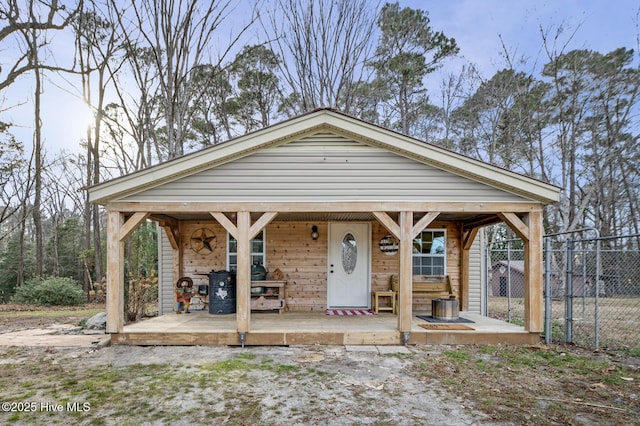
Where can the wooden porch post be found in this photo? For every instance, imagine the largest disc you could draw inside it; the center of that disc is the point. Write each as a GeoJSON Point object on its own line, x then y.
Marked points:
{"type": "Point", "coordinates": [405, 232]}
{"type": "Point", "coordinates": [467, 236]}
{"type": "Point", "coordinates": [117, 231]}
{"type": "Point", "coordinates": [405, 275]}
{"type": "Point", "coordinates": [115, 273]}
{"type": "Point", "coordinates": [533, 272]}
{"type": "Point", "coordinates": [243, 233]}
{"type": "Point", "coordinates": [243, 273]}
{"type": "Point", "coordinates": [531, 233]}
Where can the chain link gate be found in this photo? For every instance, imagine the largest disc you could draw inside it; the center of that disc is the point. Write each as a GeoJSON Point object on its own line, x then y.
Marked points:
{"type": "Point", "coordinates": [592, 288]}
{"type": "Point", "coordinates": [505, 281]}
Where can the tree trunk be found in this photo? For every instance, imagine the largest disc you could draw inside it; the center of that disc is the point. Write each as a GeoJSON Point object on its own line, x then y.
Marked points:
{"type": "Point", "coordinates": [87, 215]}
{"type": "Point", "coordinates": [21, 244]}
{"type": "Point", "coordinates": [37, 153]}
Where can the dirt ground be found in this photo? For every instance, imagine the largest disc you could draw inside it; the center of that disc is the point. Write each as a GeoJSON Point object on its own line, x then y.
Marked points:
{"type": "Point", "coordinates": [24, 317]}
{"type": "Point", "coordinates": [310, 385]}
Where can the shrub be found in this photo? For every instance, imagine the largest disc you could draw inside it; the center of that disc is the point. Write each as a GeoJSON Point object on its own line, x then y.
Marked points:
{"type": "Point", "coordinates": [54, 291]}
{"type": "Point", "coordinates": [26, 293]}
{"type": "Point", "coordinates": [143, 291]}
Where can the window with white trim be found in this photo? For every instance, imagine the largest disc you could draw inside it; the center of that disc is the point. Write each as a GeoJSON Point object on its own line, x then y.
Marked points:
{"type": "Point", "coordinates": [429, 252]}
{"type": "Point", "coordinates": [257, 251]}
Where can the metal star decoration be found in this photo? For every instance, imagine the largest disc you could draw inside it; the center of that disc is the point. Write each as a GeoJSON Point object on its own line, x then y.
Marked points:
{"type": "Point", "coordinates": [203, 240]}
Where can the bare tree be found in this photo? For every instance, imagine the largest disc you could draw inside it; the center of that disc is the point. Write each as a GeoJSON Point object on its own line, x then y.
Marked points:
{"type": "Point", "coordinates": [178, 34]}
{"type": "Point", "coordinates": [63, 205]}
{"type": "Point", "coordinates": [12, 162]}
{"type": "Point", "coordinates": [27, 24]}
{"type": "Point", "coordinates": [96, 47]}
{"type": "Point", "coordinates": [32, 41]}
{"type": "Point", "coordinates": [20, 181]}
{"type": "Point", "coordinates": [18, 17]}
{"type": "Point", "coordinates": [454, 90]}
{"type": "Point", "coordinates": [324, 45]}
{"type": "Point", "coordinates": [137, 116]}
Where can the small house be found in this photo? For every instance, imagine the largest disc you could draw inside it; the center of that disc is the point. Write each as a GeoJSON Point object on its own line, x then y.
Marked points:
{"type": "Point", "coordinates": [337, 207]}
{"type": "Point", "coordinates": [507, 278]}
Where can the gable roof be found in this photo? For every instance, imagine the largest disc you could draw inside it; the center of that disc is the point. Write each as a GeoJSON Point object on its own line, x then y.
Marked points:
{"type": "Point", "coordinates": [319, 121]}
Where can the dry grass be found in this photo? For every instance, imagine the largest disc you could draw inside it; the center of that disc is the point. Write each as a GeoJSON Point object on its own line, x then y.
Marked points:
{"type": "Point", "coordinates": [20, 317]}
{"type": "Point", "coordinates": [536, 385]}
{"type": "Point", "coordinates": [546, 385]}
{"type": "Point", "coordinates": [618, 320]}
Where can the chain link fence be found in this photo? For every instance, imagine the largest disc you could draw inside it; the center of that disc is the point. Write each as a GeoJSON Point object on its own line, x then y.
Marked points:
{"type": "Point", "coordinates": [592, 288]}
{"type": "Point", "coordinates": [505, 281]}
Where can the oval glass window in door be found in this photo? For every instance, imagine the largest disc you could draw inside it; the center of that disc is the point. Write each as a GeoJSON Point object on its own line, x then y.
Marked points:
{"type": "Point", "coordinates": [349, 253]}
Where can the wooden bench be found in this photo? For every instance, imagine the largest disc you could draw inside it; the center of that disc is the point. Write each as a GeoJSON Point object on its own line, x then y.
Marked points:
{"type": "Point", "coordinates": [428, 286]}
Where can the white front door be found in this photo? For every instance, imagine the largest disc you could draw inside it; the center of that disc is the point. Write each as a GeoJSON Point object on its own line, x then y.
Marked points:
{"type": "Point", "coordinates": [348, 283]}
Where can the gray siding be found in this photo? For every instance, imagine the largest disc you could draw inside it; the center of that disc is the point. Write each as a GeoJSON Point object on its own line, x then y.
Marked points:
{"type": "Point", "coordinates": [165, 274]}
{"type": "Point", "coordinates": [475, 276]}
{"type": "Point", "coordinates": [484, 287]}
{"type": "Point", "coordinates": [324, 167]}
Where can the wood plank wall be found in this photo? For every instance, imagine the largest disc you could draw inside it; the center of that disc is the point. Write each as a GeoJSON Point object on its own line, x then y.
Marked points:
{"type": "Point", "coordinates": [303, 261]}
{"type": "Point", "coordinates": [203, 263]}
{"type": "Point", "coordinates": [383, 265]}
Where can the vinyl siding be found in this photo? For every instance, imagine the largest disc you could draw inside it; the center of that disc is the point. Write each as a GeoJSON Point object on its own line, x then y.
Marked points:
{"type": "Point", "coordinates": [165, 274]}
{"type": "Point", "coordinates": [324, 167]}
{"type": "Point", "coordinates": [475, 276]}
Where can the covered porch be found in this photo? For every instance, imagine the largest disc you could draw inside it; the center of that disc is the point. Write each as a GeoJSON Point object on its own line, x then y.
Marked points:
{"type": "Point", "coordinates": [404, 221]}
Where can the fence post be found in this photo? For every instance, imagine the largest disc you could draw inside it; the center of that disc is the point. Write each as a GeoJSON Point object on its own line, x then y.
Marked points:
{"type": "Point", "coordinates": [509, 281]}
{"type": "Point", "coordinates": [597, 295]}
{"type": "Point", "coordinates": [569, 293]}
{"type": "Point", "coordinates": [547, 291]}
{"type": "Point", "coordinates": [584, 280]}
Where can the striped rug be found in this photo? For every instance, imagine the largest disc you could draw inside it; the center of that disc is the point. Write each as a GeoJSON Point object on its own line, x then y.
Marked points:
{"type": "Point", "coordinates": [349, 312]}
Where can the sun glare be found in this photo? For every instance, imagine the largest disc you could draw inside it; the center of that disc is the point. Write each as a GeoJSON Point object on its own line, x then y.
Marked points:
{"type": "Point", "coordinates": [85, 117]}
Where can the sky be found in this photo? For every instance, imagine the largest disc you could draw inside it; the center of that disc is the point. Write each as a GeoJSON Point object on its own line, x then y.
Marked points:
{"type": "Point", "coordinates": [480, 27]}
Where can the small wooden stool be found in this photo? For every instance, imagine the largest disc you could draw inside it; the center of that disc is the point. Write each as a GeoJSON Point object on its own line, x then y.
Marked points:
{"type": "Point", "coordinates": [376, 295]}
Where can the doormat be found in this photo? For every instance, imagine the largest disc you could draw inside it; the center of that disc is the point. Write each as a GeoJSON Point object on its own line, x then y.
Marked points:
{"type": "Point", "coordinates": [431, 319]}
{"type": "Point", "coordinates": [448, 326]}
{"type": "Point", "coordinates": [349, 312]}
